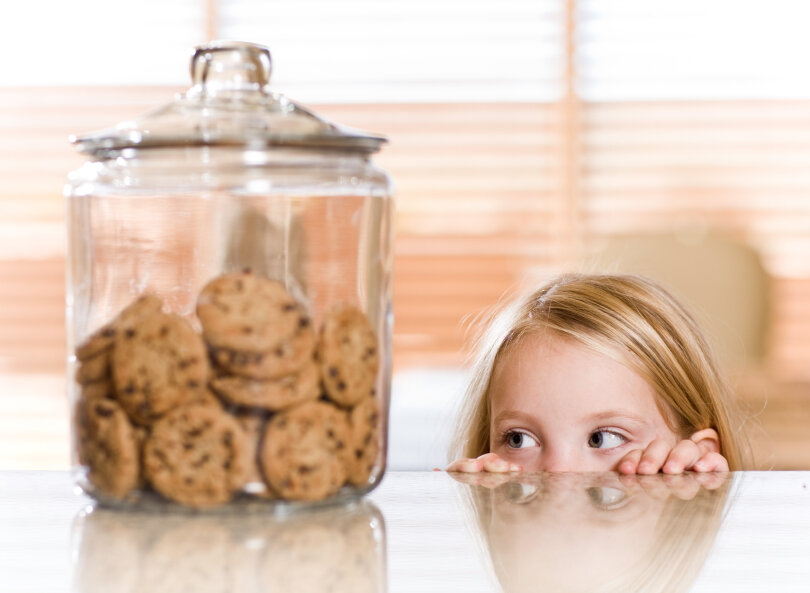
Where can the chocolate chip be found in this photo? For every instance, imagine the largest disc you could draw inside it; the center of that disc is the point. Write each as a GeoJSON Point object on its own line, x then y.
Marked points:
{"type": "Point", "coordinates": [129, 333]}
{"type": "Point", "coordinates": [341, 386]}
{"type": "Point", "coordinates": [333, 372]}
{"type": "Point", "coordinates": [164, 331]}
{"type": "Point", "coordinates": [247, 330]}
{"type": "Point", "coordinates": [108, 332]}
{"type": "Point", "coordinates": [289, 307]}
{"type": "Point", "coordinates": [104, 412]}
{"type": "Point", "coordinates": [303, 322]}
{"type": "Point", "coordinates": [161, 457]}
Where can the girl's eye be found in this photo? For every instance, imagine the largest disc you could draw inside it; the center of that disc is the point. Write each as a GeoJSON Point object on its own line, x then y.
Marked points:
{"type": "Point", "coordinates": [606, 498]}
{"type": "Point", "coordinates": [519, 440]}
{"type": "Point", "coordinates": [605, 439]}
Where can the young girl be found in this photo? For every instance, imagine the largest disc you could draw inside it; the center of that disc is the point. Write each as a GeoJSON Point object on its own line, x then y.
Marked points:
{"type": "Point", "coordinates": [597, 373]}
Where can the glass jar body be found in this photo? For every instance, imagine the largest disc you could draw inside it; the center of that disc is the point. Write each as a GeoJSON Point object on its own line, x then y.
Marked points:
{"type": "Point", "coordinates": [166, 222]}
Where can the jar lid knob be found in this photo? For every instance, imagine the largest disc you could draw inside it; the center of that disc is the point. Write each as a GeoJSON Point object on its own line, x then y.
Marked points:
{"type": "Point", "coordinates": [230, 65]}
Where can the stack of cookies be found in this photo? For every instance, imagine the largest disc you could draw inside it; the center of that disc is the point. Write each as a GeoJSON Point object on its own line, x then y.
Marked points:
{"type": "Point", "coordinates": [259, 402]}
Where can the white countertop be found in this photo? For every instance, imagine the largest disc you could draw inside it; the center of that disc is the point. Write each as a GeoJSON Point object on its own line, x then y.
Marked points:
{"type": "Point", "coordinates": [425, 531]}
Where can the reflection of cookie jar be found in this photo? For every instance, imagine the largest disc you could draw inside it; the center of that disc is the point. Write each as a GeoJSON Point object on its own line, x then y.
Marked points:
{"type": "Point", "coordinates": [229, 287]}
{"type": "Point", "coordinates": [343, 546]}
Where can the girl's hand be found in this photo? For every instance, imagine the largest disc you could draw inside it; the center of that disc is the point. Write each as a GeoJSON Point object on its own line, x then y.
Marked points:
{"type": "Point", "coordinates": [699, 453]}
{"type": "Point", "coordinates": [488, 462]}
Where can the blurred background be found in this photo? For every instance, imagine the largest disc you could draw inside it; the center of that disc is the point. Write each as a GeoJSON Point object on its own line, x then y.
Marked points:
{"type": "Point", "coordinates": [527, 137]}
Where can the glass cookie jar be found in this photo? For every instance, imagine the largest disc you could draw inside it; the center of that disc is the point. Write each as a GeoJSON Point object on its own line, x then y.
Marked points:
{"type": "Point", "coordinates": [229, 300]}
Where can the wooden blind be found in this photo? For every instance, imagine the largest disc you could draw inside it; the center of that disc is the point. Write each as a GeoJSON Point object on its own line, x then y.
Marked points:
{"type": "Point", "coordinates": [693, 115]}
{"type": "Point", "coordinates": [522, 132]}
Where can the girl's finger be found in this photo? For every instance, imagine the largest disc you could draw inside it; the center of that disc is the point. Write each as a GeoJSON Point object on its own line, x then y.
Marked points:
{"type": "Point", "coordinates": [653, 457]}
{"type": "Point", "coordinates": [629, 463]}
{"type": "Point", "coordinates": [493, 463]}
{"type": "Point", "coordinates": [711, 462]}
{"type": "Point", "coordinates": [681, 458]}
{"type": "Point", "coordinates": [466, 466]}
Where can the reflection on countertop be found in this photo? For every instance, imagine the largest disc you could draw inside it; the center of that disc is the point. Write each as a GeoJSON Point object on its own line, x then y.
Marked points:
{"type": "Point", "coordinates": [596, 532]}
{"type": "Point", "coordinates": [339, 549]}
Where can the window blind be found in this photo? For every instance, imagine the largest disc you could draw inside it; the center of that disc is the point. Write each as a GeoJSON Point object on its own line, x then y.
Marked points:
{"type": "Point", "coordinates": [364, 51]}
{"type": "Point", "coordinates": [694, 114]}
{"type": "Point", "coordinates": [516, 129]}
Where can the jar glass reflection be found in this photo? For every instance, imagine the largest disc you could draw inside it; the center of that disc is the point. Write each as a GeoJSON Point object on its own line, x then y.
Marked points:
{"type": "Point", "coordinates": [344, 547]}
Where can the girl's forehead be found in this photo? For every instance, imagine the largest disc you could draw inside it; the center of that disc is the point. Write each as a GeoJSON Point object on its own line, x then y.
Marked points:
{"type": "Point", "coordinates": [548, 369]}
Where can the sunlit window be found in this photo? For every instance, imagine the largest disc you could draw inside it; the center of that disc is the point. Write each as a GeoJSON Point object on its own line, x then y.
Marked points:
{"type": "Point", "coordinates": [523, 135]}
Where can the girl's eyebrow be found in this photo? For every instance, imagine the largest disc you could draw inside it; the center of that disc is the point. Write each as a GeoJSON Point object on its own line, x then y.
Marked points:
{"type": "Point", "coordinates": [513, 415]}
{"type": "Point", "coordinates": [616, 415]}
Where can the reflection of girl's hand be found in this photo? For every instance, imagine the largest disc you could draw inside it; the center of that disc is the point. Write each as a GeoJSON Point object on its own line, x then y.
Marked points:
{"type": "Point", "coordinates": [698, 453]}
{"type": "Point", "coordinates": [483, 479]}
{"type": "Point", "coordinates": [683, 486]}
{"type": "Point", "coordinates": [488, 462]}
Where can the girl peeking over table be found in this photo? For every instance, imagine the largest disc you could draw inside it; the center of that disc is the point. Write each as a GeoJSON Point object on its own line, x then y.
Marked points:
{"type": "Point", "coordinates": [597, 373]}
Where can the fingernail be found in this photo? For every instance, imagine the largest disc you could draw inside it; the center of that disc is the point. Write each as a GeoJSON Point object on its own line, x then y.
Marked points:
{"type": "Point", "coordinates": [699, 466]}
{"type": "Point", "coordinates": [515, 468]}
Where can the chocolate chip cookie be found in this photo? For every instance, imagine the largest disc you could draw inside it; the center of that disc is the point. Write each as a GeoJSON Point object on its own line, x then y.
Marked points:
{"type": "Point", "coordinates": [103, 339]}
{"type": "Point", "coordinates": [348, 355]}
{"type": "Point", "coordinates": [270, 394]}
{"type": "Point", "coordinates": [158, 365]}
{"type": "Point", "coordinates": [364, 421]}
{"type": "Point", "coordinates": [94, 369]}
{"type": "Point", "coordinates": [305, 451]}
{"type": "Point", "coordinates": [285, 358]}
{"type": "Point", "coordinates": [247, 313]}
{"type": "Point", "coordinates": [107, 446]}
{"type": "Point", "coordinates": [197, 455]}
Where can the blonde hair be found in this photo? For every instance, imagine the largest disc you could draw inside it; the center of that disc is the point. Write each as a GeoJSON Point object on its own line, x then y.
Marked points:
{"type": "Point", "coordinates": [632, 320]}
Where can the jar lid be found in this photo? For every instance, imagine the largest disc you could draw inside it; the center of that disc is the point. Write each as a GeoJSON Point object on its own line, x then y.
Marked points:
{"type": "Point", "coordinates": [229, 104]}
